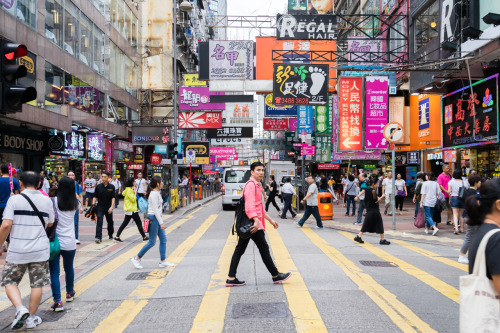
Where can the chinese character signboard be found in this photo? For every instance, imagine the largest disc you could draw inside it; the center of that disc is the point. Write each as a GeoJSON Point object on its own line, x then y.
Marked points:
{"type": "Point", "coordinates": [95, 147]}
{"type": "Point", "coordinates": [227, 157]}
{"type": "Point", "coordinates": [275, 124]}
{"type": "Point", "coordinates": [305, 119]}
{"type": "Point", "coordinates": [350, 114]}
{"type": "Point", "coordinates": [231, 60]}
{"type": "Point", "coordinates": [324, 119]}
{"type": "Point", "coordinates": [192, 80]}
{"type": "Point", "coordinates": [274, 144]}
{"type": "Point", "coordinates": [295, 84]}
{"type": "Point", "coordinates": [198, 98]}
{"type": "Point", "coordinates": [72, 145]}
{"type": "Point", "coordinates": [376, 94]}
{"type": "Point", "coordinates": [273, 110]}
{"type": "Point", "coordinates": [328, 166]}
{"type": "Point", "coordinates": [239, 114]}
{"type": "Point", "coordinates": [471, 119]}
{"type": "Point", "coordinates": [202, 149]}
{"type": "Point", "coordinates": [307, 150]}
{"type": "Point", "coordinates": [200, 120]}
{"type": "Point", "coordinates": [305, 27]}
{"type": "Point", "coordinates": [230, 132]}
{"type": "Point", "coordinates": [323, 148]}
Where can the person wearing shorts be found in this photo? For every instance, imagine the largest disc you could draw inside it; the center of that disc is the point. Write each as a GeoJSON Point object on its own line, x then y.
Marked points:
{"type": "Point", "coordinates": [90, 185]}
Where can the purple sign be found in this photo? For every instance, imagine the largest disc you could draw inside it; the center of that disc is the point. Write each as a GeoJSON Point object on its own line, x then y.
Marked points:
{"type": "Point", "coordinates": [198, 98]}
{"type": "Point", "coordinates": [231, 60]}
{"type": "Point", "coordinates": [376, 93]}
{"type": "Point", "coordinates": [95, 150]}
{"type": "Point", "coordinates": [358, 155]}
{"type": "Point", "coordinates": [292, 124]}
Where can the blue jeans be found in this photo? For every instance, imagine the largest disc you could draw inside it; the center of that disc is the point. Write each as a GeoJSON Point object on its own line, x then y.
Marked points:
{"type": "Point", "coordinates": [429, 211]}
{"type": "Point", "coordinates": [360, 211]}
{"type": "Point", "coordinates": [76, 223]}
{"type": "Point", "coordinates": [55, 284]}
{"type": "Point", "coordinates": [350, 198]}
{"type": "Point", "coordinates": [315, 212]}
{"type": "Point", "coordinates": [155, 230]}
{"type": "Point", "coordinates": [417, 207]}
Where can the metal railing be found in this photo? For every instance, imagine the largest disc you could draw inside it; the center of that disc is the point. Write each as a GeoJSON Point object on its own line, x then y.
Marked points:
{"type": "Point", "coordinates": [192, 193]}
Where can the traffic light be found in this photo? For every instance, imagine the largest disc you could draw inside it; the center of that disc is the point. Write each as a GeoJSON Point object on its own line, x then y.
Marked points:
{"type": "Point", "coordinates": [172, 150]}
{"type": "Point", "coordinates": [12, 96]}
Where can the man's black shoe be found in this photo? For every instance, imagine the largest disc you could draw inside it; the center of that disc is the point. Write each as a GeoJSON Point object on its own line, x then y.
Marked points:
{"type": "Point", "coordinates": [281, 277]}
{"type": "Point", "coordinates": [384, 242]}
{"type": "Point", "coordinates": [359, 240]}
{"type": "Point", "coordinates": [234, 283]}
{"type": "Point", "coordinates": [284, 218]}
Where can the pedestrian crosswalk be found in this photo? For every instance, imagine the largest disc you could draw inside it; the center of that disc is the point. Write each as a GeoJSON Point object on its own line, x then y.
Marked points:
{"type": "Point", "coordinates": [327, 280]}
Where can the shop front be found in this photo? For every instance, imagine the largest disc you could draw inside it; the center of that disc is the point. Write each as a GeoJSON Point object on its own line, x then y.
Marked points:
{"type": "Point", "coordinates": [96, 153]}
{"type": "Point", "coordinates": [434, 162]}
{"type": "Point", "coordinates": [122, 156]}
{"type": "Point", "coordinates": [485, 160]}
{"type": "Point", "coordinates": [25, 149]}
{"type": "Point", "coordinates": [66, 152]}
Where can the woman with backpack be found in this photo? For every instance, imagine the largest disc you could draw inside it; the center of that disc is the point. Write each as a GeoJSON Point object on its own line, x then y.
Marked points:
{"type": "Point", "coordinates": [157, 227]}
{"type": "Point", "coordinates": [131, 210]}
{"type": "Point", "coordinates": [65, 206]}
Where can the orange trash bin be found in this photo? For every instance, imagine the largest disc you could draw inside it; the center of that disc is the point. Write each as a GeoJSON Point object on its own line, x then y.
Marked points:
{"type": "Point", "coordinates": [200, 192]}
{"type": "Point", "coordinates": [325, 205]}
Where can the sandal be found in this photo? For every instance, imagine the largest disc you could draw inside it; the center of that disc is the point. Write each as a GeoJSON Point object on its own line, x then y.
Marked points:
{"type": "Point", "coordinates": [448, 223]}
{"type": "Point", "coordinates": [455, 232]}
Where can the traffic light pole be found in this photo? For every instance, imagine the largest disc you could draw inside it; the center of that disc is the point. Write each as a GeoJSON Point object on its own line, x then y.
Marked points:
{"type": "Point", "coordinates": [175, 167]}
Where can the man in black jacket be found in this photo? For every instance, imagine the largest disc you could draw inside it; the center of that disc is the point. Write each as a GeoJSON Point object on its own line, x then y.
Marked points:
{"type": "Point", "coordinates": [105, 198]}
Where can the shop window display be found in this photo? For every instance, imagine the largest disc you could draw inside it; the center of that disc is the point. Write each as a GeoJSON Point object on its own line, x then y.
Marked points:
{"type": "Point", "coordinates": [71, 29]}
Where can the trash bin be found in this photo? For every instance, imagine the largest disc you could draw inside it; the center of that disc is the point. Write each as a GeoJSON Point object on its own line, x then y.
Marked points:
{"type": "Point", "coordinates": [200, 192]}
{"type": "Point", "coordinates": [325, 205]}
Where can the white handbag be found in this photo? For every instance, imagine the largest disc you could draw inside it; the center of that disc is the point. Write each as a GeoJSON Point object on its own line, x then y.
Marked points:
{"type": "Point", "coordinates": [479, 300]}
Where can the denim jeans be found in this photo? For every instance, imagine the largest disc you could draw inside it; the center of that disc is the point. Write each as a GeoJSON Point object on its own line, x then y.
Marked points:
{"type": "Point", "coordinates": [287, 198]}
{"type": "Point", "coordinates": [429, 211]}
{"type": "Point", "coordinates": [315, 212]}
{"type": "Point", "coordinates": [417, 207]}
{"type": "Point", "coordinates": [155, 230]}
{"type": "Point", "coordinates": [360, 210]}
{"type": "Point", "coordinates": [55, 270]}
{"type": "Point", "coordinates": [350, 199]}
{"type": "Point", "coordinates": [76, 223]}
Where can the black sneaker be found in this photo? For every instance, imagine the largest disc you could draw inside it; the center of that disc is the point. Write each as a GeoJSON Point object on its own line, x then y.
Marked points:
{"type": "Point", "coordinates": [384, 242]}
{"type": "Point", "coordinates": [281, 277]}
{"type": "Point", "coordinates": [110, 237]}
{"type": "Point", "coordinates": [284, 218]}
{"type": "Point", "coordinates": [118, 239]}
{"type": "Point", "coordinates": [98, 241]}
{"type": "Point", "coordinates": [234, 283]}
{"type": "Point", "coordinates": [359, 240]}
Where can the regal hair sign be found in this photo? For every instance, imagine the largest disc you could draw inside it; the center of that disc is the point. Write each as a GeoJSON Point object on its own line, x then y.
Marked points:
{"type": "Point", "coordinates": [306, 27]}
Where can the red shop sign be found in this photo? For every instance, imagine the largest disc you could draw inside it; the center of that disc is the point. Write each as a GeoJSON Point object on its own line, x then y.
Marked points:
{"type": "Point", "coordinates": [135, 166]}
{"type": "Point", "coordinates": [328, 166]}
{"type": "Point", "coordinates": [275, 124]}
{"type": "Point", "coordinates": [155, 159]}
{"type": "Point", "coordinates": [200, 120]}
{"type": "Point", "coordinates": [350, 114]}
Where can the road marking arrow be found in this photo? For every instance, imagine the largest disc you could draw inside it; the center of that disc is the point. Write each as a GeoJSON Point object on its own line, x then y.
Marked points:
{"type": "Point", "coordinates": [347, 142]}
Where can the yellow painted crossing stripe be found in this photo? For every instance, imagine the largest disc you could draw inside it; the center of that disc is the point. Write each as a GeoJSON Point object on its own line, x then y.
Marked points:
{"type": "Point", "coordinates": [212, 311]}
{"type": "Point", "coordinates": [121, 317]}
{"type": "Point", "coordinates": [397, 311]}
{"type": "Point", "coordinates": [430, 280]}
{"type": "Point", "coordinates": [432, 255]}
{"type": "Point", "coordinates": [305, 314]}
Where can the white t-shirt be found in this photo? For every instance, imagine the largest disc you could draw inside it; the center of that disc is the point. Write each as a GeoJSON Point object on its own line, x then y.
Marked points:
{"type": "Point", "coordinates": [66, 229]}
{"type": "Point", "coordinates": [388, 185]}
{"type": "Point", "coordinates": [431, 191]}
{"type": "Point", "coordinates": [45, 186]}
{"type": "Point", "coordinates": [400, 184]}
{"type": "Point", "coordinates": [455, 186]}
{"type": "Point", "coordinates": [139, 184]}
{"type": "Point", "coordinates": [90, 185]}
{"type": "Point", "coordinates": [28, 240]}
{"type": "Point", "coordinates": [116, 184]}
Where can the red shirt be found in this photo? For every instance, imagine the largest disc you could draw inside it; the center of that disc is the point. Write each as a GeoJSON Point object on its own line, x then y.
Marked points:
{"type": "Point", "coordinates": [253, 201]}
{"type": "Point", "coordinates": [443, 180]}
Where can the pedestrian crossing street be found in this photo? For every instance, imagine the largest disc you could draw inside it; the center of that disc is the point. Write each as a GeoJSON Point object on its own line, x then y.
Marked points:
{"type": "Point", "coordinates": [331, 290]}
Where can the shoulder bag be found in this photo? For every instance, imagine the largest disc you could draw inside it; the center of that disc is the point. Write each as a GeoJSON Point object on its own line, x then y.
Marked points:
{"type": "Point", "coordinates": [479, 299]}
{"type": "Point", "coordinates": [242, 223]}
{"type": "Point", "coordinates": [461, 191]}
{"type": "Point", "coordinates": [55, 246]}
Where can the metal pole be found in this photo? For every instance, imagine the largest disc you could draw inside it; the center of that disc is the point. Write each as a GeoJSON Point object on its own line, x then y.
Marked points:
{"type": "Point", "coordinates": [175, 167]}
{"type": "Point", "coordinates": [393, 199]}
{"type": "Point", "coordinates": [190, 182]}
{"type": "Point", "coordinates": [303, 180]}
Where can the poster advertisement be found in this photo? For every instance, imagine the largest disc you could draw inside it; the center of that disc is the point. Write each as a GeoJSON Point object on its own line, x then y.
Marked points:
{"type": "Point", "coordinates": [305, 119]}
{"type": "Point", "coordinates": [275, 124]}
{"type": "Point", "coordinates": [350, 114]}
{"type": "Point", "coordinates": [376, 101]}
{"type": "Point", "coordinates": [297, 6]}
{"type": "Point", "coordinates": [239, 114]}
{"type": "Point", "coordinates": [231, 60]}
{"type": "Point", "coordinates": [222, 151]}
{"type": "Point", "coordinates": [94, 147]}
{"type": "Point", "coordinates": [200, 120]}
{"type": "Point", "coordinates": [273, 110]}
{"type": "Point", "coordinates": [296, 84]}
{"type": "Point", "coordinates": [193, 80]}
{"type": "Point", "coordinates": [323, 149]}
{"type": "Point", "coordinates": [310, 27]}
{"type": "Point", "coordinates": [364, 52]}
{"type": "Point", "coordinates": [198, 98]}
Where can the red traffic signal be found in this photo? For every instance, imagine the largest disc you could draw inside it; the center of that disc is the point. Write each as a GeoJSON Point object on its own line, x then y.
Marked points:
{"type": "Point", "coordinates": [13, 51]}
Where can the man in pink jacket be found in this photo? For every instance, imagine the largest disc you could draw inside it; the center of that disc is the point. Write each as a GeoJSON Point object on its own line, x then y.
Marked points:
{"type": "Point", "coordinates": [255, 211]}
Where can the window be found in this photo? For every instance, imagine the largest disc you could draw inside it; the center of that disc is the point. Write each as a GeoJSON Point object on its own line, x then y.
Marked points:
{"type": "Point", "coordinates": [135, 27]}
{"type": "Point", "coordinates": [128, 75]}
{"type": "Point", "coordinates": [112, 10]}
{"type": "Point", "coordinates": [396, 39]}
{"type": "Point", "coordinates": [426, 26]}
{"type": "Point", "coordinates": [99, 4]}
{"type": "Point", "coordinates": [127, 26]}
{"type": "Point", "coordinates": [71, 29]}
{"type": "Point", "coordinates": [26, 12]}
{"type": "Point", "coordinates": [120, 20]}
{"type": "Point", "coordinates": [71, 92]}
{"type": "Point", "coordinates": [85, 55]}
{"type": "Point", "coordinates": [54, 84]}
{"type": "Point", "coordinates": [99, 54]}
{"type": "Point", "coordinates": [237, 176]}
{"type": "Point", "coordinates": [54, 21]}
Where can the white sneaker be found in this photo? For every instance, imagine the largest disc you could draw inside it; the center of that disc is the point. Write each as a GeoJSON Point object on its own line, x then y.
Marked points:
{"type": "Point", "coordinates": [463, 259]}
{"type": "Point", "coordinates": [136, 263]}
{"type": "Point", "coordinates": [77, 241]}
{"type": "Point", "coordinates": [435, 231]}
{"type": "Point", "coordinates": [163, 264]}
{"type": "Point", "coordinates": [426, 231]}
{"type": "Point", "coordinates": [33, 321]}
{"type": "Point", "coordinates": [21, 315]}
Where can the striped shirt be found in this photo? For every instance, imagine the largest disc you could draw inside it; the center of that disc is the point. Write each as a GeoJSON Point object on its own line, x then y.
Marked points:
{"type": "Point", "coordinates": [28, 240]}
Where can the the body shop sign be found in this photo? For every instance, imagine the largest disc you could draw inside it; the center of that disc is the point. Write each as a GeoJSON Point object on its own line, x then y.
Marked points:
{"type": "Point", "coordinates": [350, 114]}
{"type": "Point", "coordinates": [95, 147]}
{"type": "Point", "coordinates": [198, 98]}
{"type": "Point", "coordinates": [275, 124]}
{"type": "Point", "coordinates": [17, 142]}
{"type": "Point", "coordinates": [377, 98]}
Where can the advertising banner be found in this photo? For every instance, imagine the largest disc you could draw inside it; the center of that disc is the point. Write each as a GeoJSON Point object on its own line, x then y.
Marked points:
{"type": "Point", "coordinates": [425, 121]}
{"type": "Point", "coordinates": [228, 141]}
{"type": "Point", "coordinates": [231, 60]}
{"type": "Point", "coordinates": [95, 147]}
{"type": "Point", "coordinates": [193, 80]}
{"type": "Point", "coordinates": [150, 135]}
{"type": "Point", "coordinates": [230, 132]}
{"type": "Point", "coordinates": [273, 110]}
{"type": "Point", "coordinates": [350, 114]}
{"type": "Point", "coordinates": [72, 144]}
{"type": "Point", "coordinates": [305, 119]}
{"type": "Point", "coordinates": [471, 119]}
{"type": "Point", "coordinates": [199, 120]}
{"type": "Point", "coordinates": [239, 114]}
{"type": "Point", "coordinates": [397, 113]}
{"type": "Point", "coordinates": [297, 6]}
{"type": "Point", "coordinates": [222, 151]}
{"type": "Point", "coordinates": [198, 98]}
{"type": "Point", "coordinates": [274, 144]}
{"type": "Point", "coordinates": [323, 148]}
{"type": "Point", "coordinates": [275, 124]}
{"type": "Point", "coordinates": [202, 149]}
{"type": "Point", "coordinates": [328, 166]}
{"type": "Point", "coordinates": [307, 150]}
{"type": "Point", "coordinates": [324, 119]}
{"type": "Point", "coordinates": [364, 52]}
{"type": "Point", "coordinates": [311, 27]}
{"type": "Point", "coordinates": [376, 101]}
{"type": "Point", "coordinates": [297, 84]}
{"type": "Point", "coordinates": [227, 157]}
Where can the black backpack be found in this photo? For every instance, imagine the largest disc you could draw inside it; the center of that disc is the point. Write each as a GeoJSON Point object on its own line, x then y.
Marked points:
{"type": "Point", "coordinates": [242, 223]}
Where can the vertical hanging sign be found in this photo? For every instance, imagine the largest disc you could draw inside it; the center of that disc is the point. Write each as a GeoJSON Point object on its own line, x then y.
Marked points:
{"type": "Point", "coordinates": [350, 114]}
{"type": "Point", "coordinates": [305, 119]}
{"type": "Point", "coordinates": [324, 119]}
{"type": "Point", "coordinates": [376, 97]}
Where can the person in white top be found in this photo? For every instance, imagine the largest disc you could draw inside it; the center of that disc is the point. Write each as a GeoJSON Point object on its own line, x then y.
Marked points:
{"type": "Point", "coordinates": [141, 185]}
{"type": "Point", "coordinates": [46, 184]}
{"type": "Point", "coordinates": [90, 184]}
{"type": "Point", "coordinates": [457, 203]}
{"type": "Point", "coordinates": [287, 192]}
{"type": "Point", "coordinates": [157, 227]}
{"type": "Point", "coordinates": [401, 193]}
{"type": "Point", "coordinates": [429, 194]}
{"type": "Point", "coordinates": [66, 204]}
{"type": "Point", "coordinates": [118, 189]}
{"type": "Point", "coordinates": [29, 247]}
{"type": "Point", "coordinates": [388, 190]}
